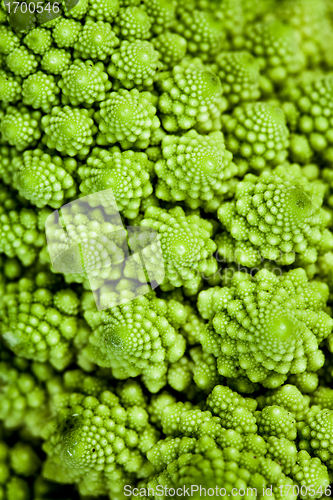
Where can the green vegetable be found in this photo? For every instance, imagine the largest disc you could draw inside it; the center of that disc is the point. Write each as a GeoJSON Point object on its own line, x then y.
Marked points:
{"type": "Point", "coordinates": [84, 82]}
{"type": "Point", "coordinates": [166, 249]}
{"type": "Point", "coordinates": [277, 216]}
{"type": "Point", "coordinates": [126, 173]}
{"type": "Point", "coordinates": [195, 168]}
{"type": "Point", "coordinates": [128, 117]}
{"type": "Point", "coordinates": [69, 130]}
{"type": "Point", "coordinates": [267, 326]}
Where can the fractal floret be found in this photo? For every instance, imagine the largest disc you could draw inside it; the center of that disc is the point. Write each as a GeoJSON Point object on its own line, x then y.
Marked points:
{"type": "Point", "coordinates": [96, 442]}
{"type": "Point", "coordinates": [22, 62]}
{"type": "Point", "coordinates": [55, 61]}
{"type": "Point", "coordinates": [308, 105]}
{"type": "Point", "coordinates": [40, 91]}
{"type": "Point", "coordinates": [276, 216]}
{"type": "Point", "coordinates": [166, 249]}
{"type": "Point", "coordinates": [18, 465]}
{"type": "Point", "coordinates": [96, 40]}
{"type": "Point", "coordinates": [138, 338]}
{"type": "Point", "coordinates": [311, 22]}
{"type": "Point", "coordinates": [217, 454]}
{"type": "Point", "coordinates": [8, 40]}
{"type": "Point", "coordinates": [10, 87]}
{"type": "Point", "coordinates": [133, 23]}
{"type": "Point", "coordinates": [38, 324]}
{"type": "Point", "coordinates": [316, 435]}
{"type": "Point", "coordinates": [266, 327]}
{"type": "Point", "coordinates": [204, 32]}
{"type": "Point", "coordinates": [25, 390]}
{"type": "Point", "coordinates": [43, 179]}
{"type": "Point", "coordinates": [128, 117]}
{"type": "Point", "coordinates": [84, 82]}
{"type": "Point", "coordinates": [275, 46]}
{"type": "Point", "coordinates": [91, 250]}
{"type": "Point", "coordinates": [186, 246]}
{"type": "Point", "coordinates": [289, 397]}
{"type": "Point", "coordinates": [239, 75]}
{"type": "Point", "coordinates": [196, 169]}
{"type": "Point", "coordinates": [69, 130]}
{"type": "Point", "coordinates": [191, 96]}
{"type": "Point", "coordinates": [38, 40]}
{"type": "Point", "coordinates": [127, 174]}
{"type": "Point", "coordinates": [183, 460]}
{"type": "Point", "coordinates": [20, 128]}
{"type": "Point", "coordinates": [172, 48]}
{"type": "Point", "coordinates": [134, 64]}
{"type": "Point", "coordinates": [21, 228]}
{"type": "Point", "coordinates": [66, 32]}
{"type": "Point", "coordinates": [257, 133]}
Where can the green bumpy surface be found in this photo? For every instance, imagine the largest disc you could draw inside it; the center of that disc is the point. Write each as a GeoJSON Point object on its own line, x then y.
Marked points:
{"type": "Point", "coordinates": [21, 229]}
{"type": "Point", "coordinates": [128, 117]}
{"type": "Point", "coordinates": [55, 61]}
{"type": "Point", "coordinates": [16, 469]}
{"type": "Point", "coordinates": [133, 23]}
{"type": "Point", "coordinates": [66, 32]}
{"type": "Point", "coordinates": [308, 105]}
{"type": "Point", "coordinates": [257, 133]}
{"type": "Point", "coordinates": [24, 394]}
{"type": "Point", "coordinates": [289, 397]}
{"type": "Point", "coordinates": [191, 96]}
{"type": "Point", "coordinates": [10, 87]}
{"type": "Point", "coordinates": [166, 249]}
{"type": "Point", "coordinates": [172, 48]}
{"type": "Point", "coordinates": [137, 339]}
{"type": "Point", "coordinates": [310, 21]}
{"type": "Point", "coordinates": [278, 53]}
{"type": "Point", "coordinates": [134, 64]}
{"type": "Point", "coordinates": [127, 174]}
{"type": "Point", "coordinates": [204, 33]}
{"type": "Point", "coordinates": [40, 91]}
{"type": "Point", "coordinates": [69, 130]}
{"type": "Point", "coordinates": [195, 168]}
{"type": "Point", "coordinates": [103, 10]}
{"type": "Point", "coordinates": [185, 245]}
{"type": "Point", "coordinates": [266, 327]}
{"type": "Point", "coordinates": [38, 40]}
{"type": "Point", "coordinates": [96, 442]}
{"type": "Point", "coordinates": [96, 40]}
{"type": "Point", "coordinates": [239, 75]}
{"type": "Point", "coordinates": [21, 61]}
{"type": "Point", "coordinates": [20, 128]}
{"type": "Point", "coordinates": [97, 246]}
{"type": "Point", "coordinates": [316, 436]}
{"type": "Point", "coordinates": [8, 40]}
{"type": "Point", "coordinates": [84, 82]}
{"type": "Point", "coordinates": [162, 14]}
{"type": "Point", "coordinates": [43, 179]}
{"type": "Point", "coordinates": [276, 216]}
{"type": "Point", "coordinates": [39, 325]}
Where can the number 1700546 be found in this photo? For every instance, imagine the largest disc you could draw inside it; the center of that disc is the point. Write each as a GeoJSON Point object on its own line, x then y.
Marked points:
{"type": "Point", "coordinates": [31, 7]}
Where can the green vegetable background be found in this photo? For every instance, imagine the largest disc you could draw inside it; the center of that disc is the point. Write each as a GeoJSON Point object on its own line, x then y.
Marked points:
{"type": "Point", "coordinates": [212, 123]}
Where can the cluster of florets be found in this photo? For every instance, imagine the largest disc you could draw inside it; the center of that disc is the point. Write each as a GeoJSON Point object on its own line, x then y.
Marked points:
{"type": "Point", "coordinates": [195, 168]}
{"type": "Point", "coordinates": [266, 327]}
{"type": "Point", "coordinates": [276, 216]}
{"type": "Point", "coordinates": [166, 249]}
{"type": "Point", "coordinates": [308, 104]}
